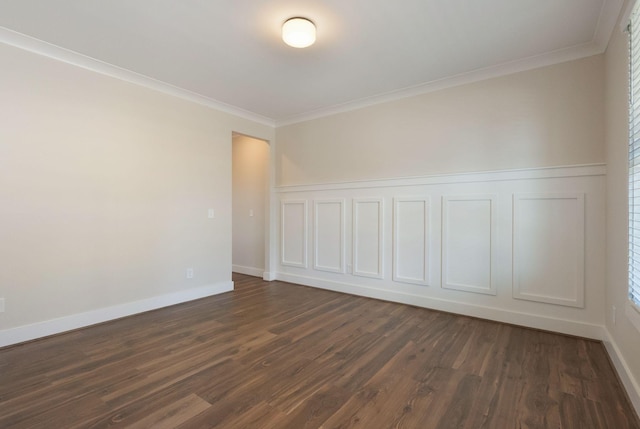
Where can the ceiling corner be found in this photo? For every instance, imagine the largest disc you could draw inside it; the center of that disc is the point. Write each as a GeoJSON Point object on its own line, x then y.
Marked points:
{"type": "Point", "coordinates": [607, 21]}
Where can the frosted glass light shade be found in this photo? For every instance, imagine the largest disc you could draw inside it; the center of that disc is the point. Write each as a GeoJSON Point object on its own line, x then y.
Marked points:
{"type": "Point", "coordinates": [299, 32]}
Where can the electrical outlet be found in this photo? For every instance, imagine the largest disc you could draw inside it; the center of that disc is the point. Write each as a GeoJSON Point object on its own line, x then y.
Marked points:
{"type": "Point", "coordinates": [250, 212]}
{"type": "Point", "coordinates": [613, 314]}
{"type": "Point", "coordinates": [189, 273]}
{"type": "Point", "coordinates": [1, 305]}
{"type": "Point", "coordinates": [211, 214]}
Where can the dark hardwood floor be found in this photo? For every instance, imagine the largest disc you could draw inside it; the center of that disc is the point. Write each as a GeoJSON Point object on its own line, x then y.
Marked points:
{"type": "Point", "coordinates": [276, 355]}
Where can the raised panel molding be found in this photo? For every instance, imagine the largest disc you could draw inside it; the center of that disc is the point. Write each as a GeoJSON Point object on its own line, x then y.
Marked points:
{"type": "Point", "coordinates": [368, 237]}
{"type": "Point", "coordinates": [469, 243]}
{"type": "Point", "coordinates": [411, 240]}
{"type": "Point", "coordinates": [509, 205]}
{"type": "Point", "coordinates": [293, 237]}
{"type": "Point", "coordinates": [329, 235]}
{"type": "Point", "coordinates": [548, 248]}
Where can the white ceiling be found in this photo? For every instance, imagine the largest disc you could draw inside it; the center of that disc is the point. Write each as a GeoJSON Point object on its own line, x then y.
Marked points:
{"type": "Point", "coordinates": [230, 51]}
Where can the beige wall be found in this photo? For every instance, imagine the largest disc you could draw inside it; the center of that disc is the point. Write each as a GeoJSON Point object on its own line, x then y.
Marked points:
{"type": "Point", "coordinates": [545, 117]}
{"type": "Point", "coordinates": [104, 190]}
{"type": "Point", "coordinates": [626, 336]}
{"type": "Point", "coordinates": [250, 190]}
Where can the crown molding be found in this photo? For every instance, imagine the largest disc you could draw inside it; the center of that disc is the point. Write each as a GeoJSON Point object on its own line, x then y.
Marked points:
{"type": "Point", "coordinates": [607, 20]}
{"type": "Point", "coordinates": [40, 47]}
{"type": "Point", "coordinates": [530, 63]}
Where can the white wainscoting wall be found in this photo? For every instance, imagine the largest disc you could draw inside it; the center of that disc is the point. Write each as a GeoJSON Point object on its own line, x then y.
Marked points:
{"type": "Point", "coordinates": [294, 233]}
{"type": "Point", "coordinates": [519, 246]}
{"type": "Point", "coordinates": [328, 235]}
{"type": "Point", "coordinates": [368, 237]}
{"type": "Point", "coordinates": [469, 243]}
{"type": "Point", "coordinates": [548, 248]}
{"type": "Point", "coordinates": [411, 239]}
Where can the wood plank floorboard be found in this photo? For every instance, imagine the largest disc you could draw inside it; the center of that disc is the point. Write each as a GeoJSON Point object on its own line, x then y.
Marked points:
{"type": "Point", "coordinates": [274, 355]}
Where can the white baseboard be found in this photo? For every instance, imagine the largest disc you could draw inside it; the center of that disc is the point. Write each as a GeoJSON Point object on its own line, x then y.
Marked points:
{"type": "Point", "coordinates": [268, 277]}
{"type": "Point", "coordinates": [570, 327]}
{"type": "Point", "coordinates": [250, 271]}
{"type": "Point", "coordinates": [628, 380]}
{"type": "Point", "coordinates": [81, 320]}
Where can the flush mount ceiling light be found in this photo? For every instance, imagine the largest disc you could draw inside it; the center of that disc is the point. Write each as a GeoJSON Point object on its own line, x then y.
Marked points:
{"type": "Point", "coordinates": [298, 32]}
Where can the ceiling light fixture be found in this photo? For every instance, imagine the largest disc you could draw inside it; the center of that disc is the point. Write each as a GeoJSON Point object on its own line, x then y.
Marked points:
{"type": "Point", "coordinates": [299, 32]}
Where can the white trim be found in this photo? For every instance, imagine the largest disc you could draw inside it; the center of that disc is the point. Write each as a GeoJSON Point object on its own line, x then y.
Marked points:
{"type": "Point", "coordinates": [356, 271]}
{"type": "Point", "coordinates": [493, 243]}
{"type": "Point", "coordinates": [268, 276]}
{"type": "Point", "coordinates": [552, 324]}
{"type": "Point", "coordinates": [249, 271]}
{"type": "Point", "coordinates": [629, 382]}
{"type": "Point", "coordinates": [563, 171]}
{"type": "Point", "coordinates": [472, 76]}
{"type": "Point", "coordinates": [40, 47]}
{"type": "Point", "coordinates": [578, 224]}
{"type": "Point", "coordinates": [426, 272]}
{"type": "Point", "coordinates": [316, 265]}
{"type": "Point", "coordinates": [81, 320]}
{"type": "Point", "coordinates": [305, 234]}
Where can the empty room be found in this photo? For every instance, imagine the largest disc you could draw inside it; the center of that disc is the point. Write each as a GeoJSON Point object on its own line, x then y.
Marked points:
{"type": "Point", "coordinates": [320, 214]}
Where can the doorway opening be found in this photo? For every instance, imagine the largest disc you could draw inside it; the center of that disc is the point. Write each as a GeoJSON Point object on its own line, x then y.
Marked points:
{"type": "Point", "coordinates": [250, 204]}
